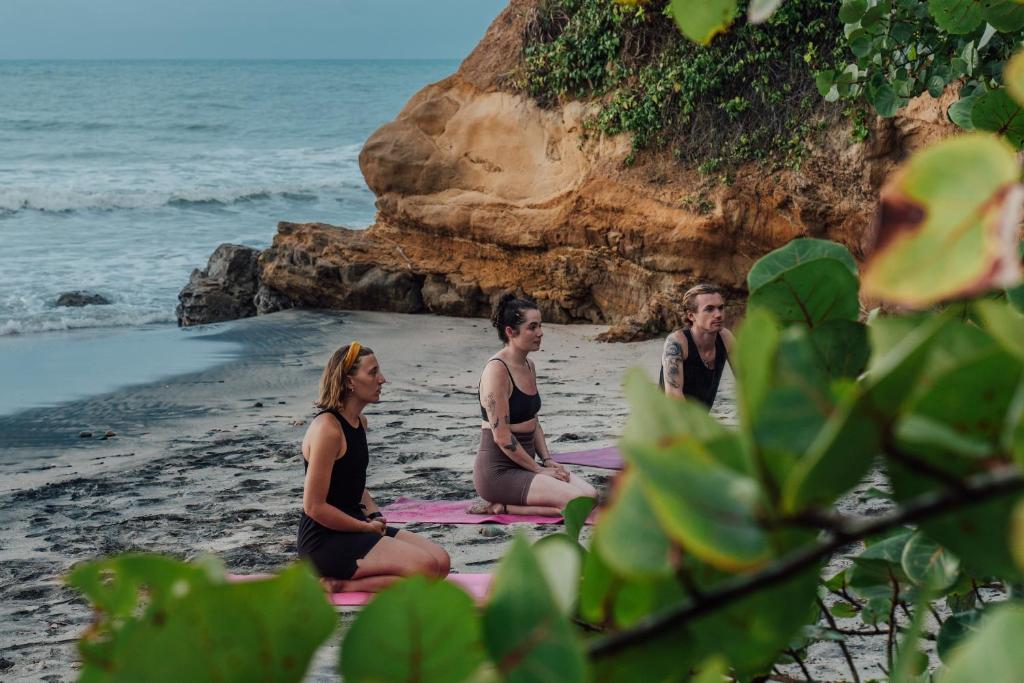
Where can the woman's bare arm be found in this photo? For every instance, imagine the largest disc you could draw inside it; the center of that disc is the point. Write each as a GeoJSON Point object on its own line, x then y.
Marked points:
{"type": "Point", "coordinates": [326, 440]}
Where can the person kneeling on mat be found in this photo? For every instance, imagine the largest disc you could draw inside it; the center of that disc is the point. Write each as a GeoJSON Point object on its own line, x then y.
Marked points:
{"type": "Point", "coordinates": [505, 473]}
{"type": "Point", "coordinates": [341, 531]}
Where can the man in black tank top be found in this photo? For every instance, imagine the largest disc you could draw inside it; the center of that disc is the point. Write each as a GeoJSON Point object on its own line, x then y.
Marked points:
{"type": "Point", "coordinates": [695, 355]}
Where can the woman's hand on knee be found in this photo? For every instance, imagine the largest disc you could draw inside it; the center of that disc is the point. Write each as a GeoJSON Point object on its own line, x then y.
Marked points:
{"type": "Point", "coordinates": [555, 472]}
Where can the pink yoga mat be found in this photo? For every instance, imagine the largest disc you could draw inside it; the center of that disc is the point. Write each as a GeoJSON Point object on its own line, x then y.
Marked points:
{"type": "Point", "coordinates": [477, 585]}
{"type": "Point", "coordinates": [608, 458]}
{"type": "Point", "coordinates": [454, 512]}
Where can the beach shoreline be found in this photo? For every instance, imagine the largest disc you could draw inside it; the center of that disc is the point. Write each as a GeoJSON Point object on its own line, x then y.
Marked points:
{"type": "Point", "coordinates": [197, 467]}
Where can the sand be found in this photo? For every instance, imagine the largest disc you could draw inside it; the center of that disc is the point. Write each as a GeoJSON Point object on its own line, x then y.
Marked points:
{"type": "Point", "coordinates": [209, 462]}
{"type": "Point", "coordinates": [197, 467]}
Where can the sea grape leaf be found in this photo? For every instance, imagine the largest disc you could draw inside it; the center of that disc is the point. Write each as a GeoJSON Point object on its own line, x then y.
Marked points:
{"type": "Point", "coordinates": [711, 670]}
{"type": "Point", "coordinates": [851, 11]}
{"type": "Point", "coordinates": [704, 506]}
{"type": "Point", "coordinates": [917, 433]}
{"type": "Point", "coordinates": [628, 535]}
{"type": "Point", "coordinates": [844, 449]}
{"type": "Point", "coordinates": [1004, 15]}
{"type": "Point", "coordinates": [1017, 534]}
{"type": "Point", "coordinates": [960, 111]}
{"type": "Point", "coordinates": [575, 514]}
{"type": "Point", "coordinates": [702, 20]}
{"type": "Point", "coordinates": [956, 16]}
{"type": "Point", "coordinates": [761, 11]}
{"type": "Point", "coordinates": [153, 610]}
{"type": "Point", "coordinates": [947, 224]}
{"type": "Point", "coordinates": [807, 281]}
{"type": "Point", "coordinates": [955, 630]}
{"type": "Point", "coordinates": [656, 418]}
{"type": "Point", "coordinates": [415, 630]}
{"type": "Point", "coordinates": [928, 564]}
{"type": "Point", "coordinates": [797, 405]}
{"type": "Point", "coordinates": [640, 598]}
{"type": "Point", "coordinates": [1013, 427]}
{"type": "Point", "coordinates": [753, 358]}
{"type": "Point", "coordinates": [996, 111]}
{"type": "Point", "coordinates": [885, 100]}
{"type": "Point", "coordinates": [1004, 323]}
{"type": "Point", "coordinates": [842, 347]}
{"type": "Point", "coordinates": [1013, 77]}
{"type": "Point", "coordinates": [525, 633]}
{"type": "Point", "coordinates": [801, 250]}
{"type": "Point", "coordinates": [560, 560]}
{"type": "Point", "coordinates": [597, 582]}
{"type": "Point", "coordinates": [993, 653]}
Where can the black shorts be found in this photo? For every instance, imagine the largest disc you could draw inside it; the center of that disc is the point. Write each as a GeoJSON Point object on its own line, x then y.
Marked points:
{"type": "Point", "coordinates": [334, 553]}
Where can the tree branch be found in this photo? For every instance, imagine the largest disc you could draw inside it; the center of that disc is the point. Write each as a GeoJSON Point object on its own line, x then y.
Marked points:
{"type": "Point", "coordinates": [842, 646]}
{"type": "Point", "coordinates": [976, 489]}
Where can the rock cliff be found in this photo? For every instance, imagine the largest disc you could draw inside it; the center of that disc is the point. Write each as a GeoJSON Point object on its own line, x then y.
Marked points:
{"type": "Point", "coordinates": [480, 190]}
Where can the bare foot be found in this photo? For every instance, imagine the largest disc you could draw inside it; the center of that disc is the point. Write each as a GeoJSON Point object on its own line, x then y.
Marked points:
{"type": "Point", "coordinates": [331, 585]}
{"type": "Point", "coordinates": [484, 508]}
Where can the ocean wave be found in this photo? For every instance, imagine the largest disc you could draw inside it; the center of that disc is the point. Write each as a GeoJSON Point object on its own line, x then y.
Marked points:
{"type": "Point", "coordinates": [35, 325]}
{"type": "Point", "coordinates": [13, 202]}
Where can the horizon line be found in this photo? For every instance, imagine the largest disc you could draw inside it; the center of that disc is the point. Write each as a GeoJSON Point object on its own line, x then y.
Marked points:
{"type": "Point", "coordinates": [230, 59]}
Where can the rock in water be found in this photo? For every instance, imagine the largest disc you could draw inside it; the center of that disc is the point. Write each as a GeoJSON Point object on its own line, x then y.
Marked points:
{"type": "Point", "coordinates": [77, 299]}
{"type": "Point", "coordinates": [225, 290]}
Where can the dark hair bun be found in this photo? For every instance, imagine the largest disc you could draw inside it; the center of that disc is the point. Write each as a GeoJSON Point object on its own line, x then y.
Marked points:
{"type": "Point", "coordinates": [508, 312]}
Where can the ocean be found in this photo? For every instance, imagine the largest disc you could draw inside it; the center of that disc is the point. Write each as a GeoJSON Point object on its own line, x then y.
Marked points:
{"type": "Point", "coordinates": [121, 177]}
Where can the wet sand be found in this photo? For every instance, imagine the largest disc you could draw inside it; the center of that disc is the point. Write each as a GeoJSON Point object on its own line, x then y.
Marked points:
{"type": "Point", "coordinates": [196, 466]}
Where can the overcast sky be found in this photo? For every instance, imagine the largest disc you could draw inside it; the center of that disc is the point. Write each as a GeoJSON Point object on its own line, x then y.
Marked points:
{"type": "Point", "coordinates": [243, 29]}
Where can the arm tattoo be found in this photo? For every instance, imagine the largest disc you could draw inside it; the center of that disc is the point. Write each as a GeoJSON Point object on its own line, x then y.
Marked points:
{"type": "Point", "coordinates": [672, 361]}
{"type": "Point", "coordinates": [491, 403]}
{"type": "Point", "coordinates": [512, 445]}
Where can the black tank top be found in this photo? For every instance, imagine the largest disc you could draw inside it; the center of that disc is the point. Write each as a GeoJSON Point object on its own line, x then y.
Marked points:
{"type": "Point", "coordinates": [521, 407]}
{"type": "Point", "coordinates": [699, 381]}
{"type": "Point", "coordinates": [348, 474]}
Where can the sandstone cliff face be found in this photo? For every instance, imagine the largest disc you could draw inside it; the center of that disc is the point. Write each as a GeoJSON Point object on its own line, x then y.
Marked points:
{"type": "Point", "coordinates": [479, 190]}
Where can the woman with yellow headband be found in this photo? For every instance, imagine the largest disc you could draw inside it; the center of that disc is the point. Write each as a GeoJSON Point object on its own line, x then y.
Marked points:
{"type": "Point", "coordinates": [342, 532]}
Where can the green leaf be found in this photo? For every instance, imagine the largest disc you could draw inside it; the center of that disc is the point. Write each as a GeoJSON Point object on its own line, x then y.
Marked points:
{"type": "Point", "coordinates": [656, 418]}
{"type": "Point", "coordinates": [860, 42]}
{"type": "Point", "coordinates": [993, 653]}
{"type": "Point", "coordinates": [525, 633]}
{"type": "Point", "coordinates": [702, 20]}
{"type": "Point", "coordinates": [842, 347]}
{"type": "Point", "coordinates": [1012, 439]}
{"type": "Point", "coordinates": [885, 101]}
{"type": "Point", "coordinates": [560, 560]}
{"type": "Point", "coordinates": [1004, 323]}
{"type": "Point", "coordinates": [628, 535]}
{"type": "Point", "coordinates": [712, 670]}
{"type": "Point", "coordinates": [757, 341]}
{"type": "Point", "coordinates": [928, 564]}
{"type": "Point", "coordinates": [154, 610]}
{"type": "Point", "coordinates": [947, 224]}
{"type": "Point", "coordinates": [575, 513]}
{"type": "Point", "coordinates": [843, 610]}
{"type": "Point", "coordinates": [956, 16]}
{"type": "Point", "coordinates": [801, 250]}
{"type": "Point", "coordinates": [415, 630]}
{"type": "Point", "coordinates": [955, 630]}
{"type": "Point", "coordinates": [996, 111]}
{"type": "Point", "coordinates": [804, 284]}
{"type": "Point", "coordinates": [1004, 15]}
{"type": "Point", "coordinates": [824, 80]}
{"type": "Point", "coordinates": [851, 11]}
{"type": "Point", "coordinates": [1013, 77]}
{"type": "Point", "coordinates": [960, 112]}
{"type": "Point", "coordinates": [596, 584]}
{"type": "Point", "coordinates": [707, 508]}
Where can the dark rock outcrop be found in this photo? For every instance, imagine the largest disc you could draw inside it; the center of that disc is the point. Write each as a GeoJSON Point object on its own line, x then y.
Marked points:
{"type": "Point", "coordinates": [225, 290]}
{"type": "Point", "coordinates": [78, 299]}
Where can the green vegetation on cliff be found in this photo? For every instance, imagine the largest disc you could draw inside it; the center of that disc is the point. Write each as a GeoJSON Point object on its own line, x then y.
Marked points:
{"type": "Point", "coordinates": [751, 94]}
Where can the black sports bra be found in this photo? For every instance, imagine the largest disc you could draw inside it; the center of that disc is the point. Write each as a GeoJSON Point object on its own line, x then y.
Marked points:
{"type": "Point", "coordinates": [521, 407]}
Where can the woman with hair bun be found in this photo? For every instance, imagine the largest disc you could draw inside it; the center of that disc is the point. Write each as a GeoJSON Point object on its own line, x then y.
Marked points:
{"type": "Point", "coordinates": [341, 531]}
{"type": "Point", "coordinates": [506, 473]}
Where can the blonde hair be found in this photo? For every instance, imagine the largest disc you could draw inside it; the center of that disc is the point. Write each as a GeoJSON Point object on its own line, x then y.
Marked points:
{"type": "Point", "coordinates": [332, 382]}
{"type": "Point", "coordinates": [690, 299]}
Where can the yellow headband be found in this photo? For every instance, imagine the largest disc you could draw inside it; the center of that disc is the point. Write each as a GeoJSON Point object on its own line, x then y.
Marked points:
{"type": "Point", "coordinates": [350, 357]}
